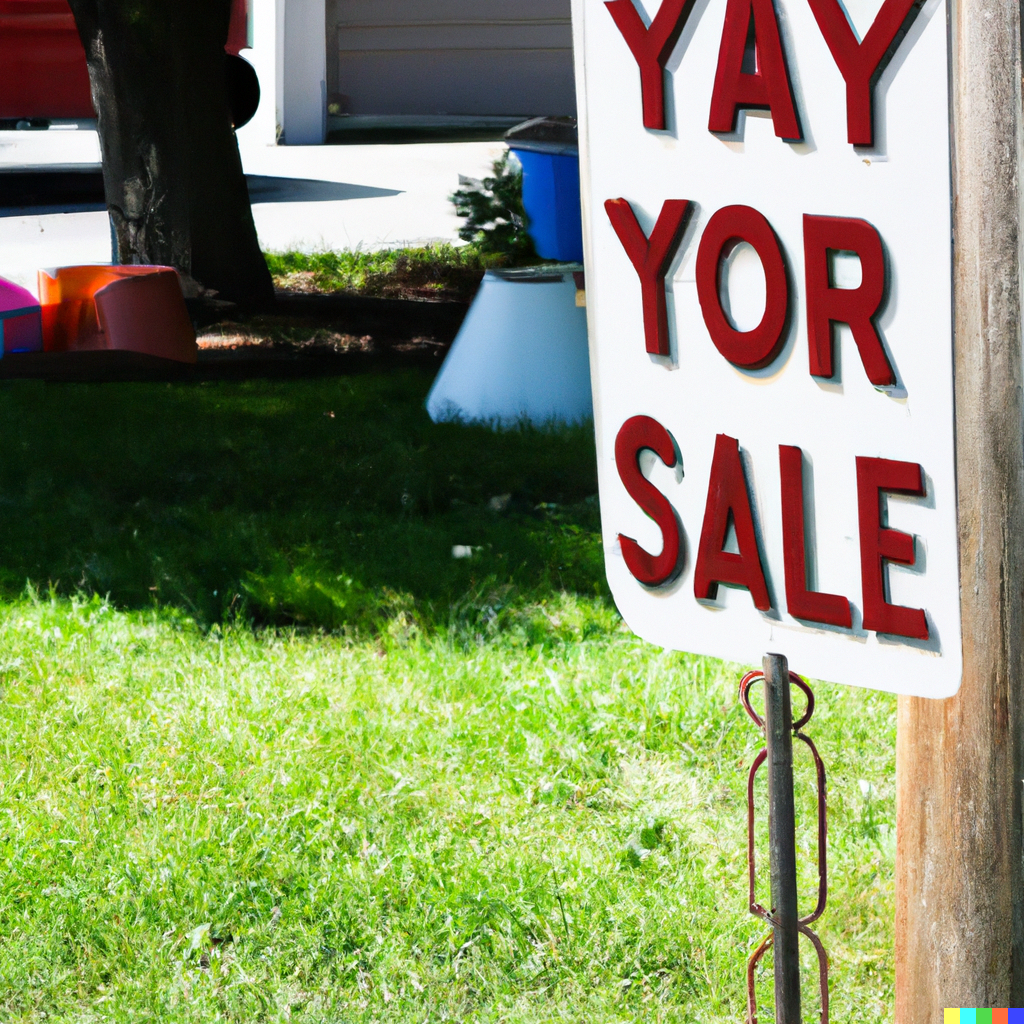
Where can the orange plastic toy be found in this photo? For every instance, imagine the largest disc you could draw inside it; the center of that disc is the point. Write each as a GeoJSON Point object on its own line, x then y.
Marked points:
{"type": "Point", "coordinates": [129, 309]}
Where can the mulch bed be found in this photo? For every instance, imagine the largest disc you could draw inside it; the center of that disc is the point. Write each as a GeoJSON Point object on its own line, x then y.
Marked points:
{"type": "Point", "coordinates": [306, 335]}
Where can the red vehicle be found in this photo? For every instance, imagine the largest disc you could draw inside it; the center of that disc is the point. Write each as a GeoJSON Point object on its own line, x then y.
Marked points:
{"type": "Point", "coordinates": [43, 76]}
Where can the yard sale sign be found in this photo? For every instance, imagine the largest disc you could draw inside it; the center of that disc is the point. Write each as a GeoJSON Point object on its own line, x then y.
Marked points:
{"type": "Point", "coordinates": [767, 210]}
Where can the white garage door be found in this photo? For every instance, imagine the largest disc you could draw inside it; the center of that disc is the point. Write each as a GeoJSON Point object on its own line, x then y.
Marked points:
{"type": "Point", "coordinates": [457, 57]}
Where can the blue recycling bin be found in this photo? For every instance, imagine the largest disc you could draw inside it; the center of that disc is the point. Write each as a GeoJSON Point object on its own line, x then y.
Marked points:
{"type": "Point", "coordinates": [548, 150]}
{"type": "Point", "coordinates": [551, 198]}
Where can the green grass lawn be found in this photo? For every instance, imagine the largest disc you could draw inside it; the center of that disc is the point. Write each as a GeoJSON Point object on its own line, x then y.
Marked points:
{"type": "Point", "coordinates": [271, 753]}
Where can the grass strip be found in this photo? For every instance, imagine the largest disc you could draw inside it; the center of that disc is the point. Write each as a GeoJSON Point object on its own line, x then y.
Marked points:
{"type": "Point", "coordinates": [440, 271]}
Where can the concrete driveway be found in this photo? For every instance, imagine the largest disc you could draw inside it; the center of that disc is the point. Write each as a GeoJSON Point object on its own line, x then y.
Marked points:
{"type": "Point", "coordinates": [306, 198]}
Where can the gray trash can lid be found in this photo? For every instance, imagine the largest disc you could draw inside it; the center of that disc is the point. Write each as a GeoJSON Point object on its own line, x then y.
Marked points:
{"type": "Point", "coordinates": [556, 135]}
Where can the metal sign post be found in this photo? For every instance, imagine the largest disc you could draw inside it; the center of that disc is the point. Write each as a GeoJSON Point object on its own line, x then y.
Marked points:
{"type": "Point", "coordinates": [778, 721]}
{"type": "Point", "coordinates": [786, 924]}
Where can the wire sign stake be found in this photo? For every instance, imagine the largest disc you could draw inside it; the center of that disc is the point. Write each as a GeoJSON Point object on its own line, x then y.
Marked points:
{"type": "Point", "coordinates": [779, 728]}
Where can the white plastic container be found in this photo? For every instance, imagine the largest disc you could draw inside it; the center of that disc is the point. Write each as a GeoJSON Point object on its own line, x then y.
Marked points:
{"type": "Point", "coordinates": [521, 354]}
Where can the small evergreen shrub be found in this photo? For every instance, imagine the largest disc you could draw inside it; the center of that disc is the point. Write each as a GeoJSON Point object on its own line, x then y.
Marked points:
{"type": "Point", "coordinates": [496, 222]}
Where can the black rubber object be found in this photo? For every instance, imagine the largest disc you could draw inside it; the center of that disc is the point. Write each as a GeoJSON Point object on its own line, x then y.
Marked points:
{"type": "Point", "coordinates": [243, 89]}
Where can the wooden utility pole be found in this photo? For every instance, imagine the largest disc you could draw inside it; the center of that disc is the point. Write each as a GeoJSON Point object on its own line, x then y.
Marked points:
{"type": "Point", "coordinates": [959, 765]}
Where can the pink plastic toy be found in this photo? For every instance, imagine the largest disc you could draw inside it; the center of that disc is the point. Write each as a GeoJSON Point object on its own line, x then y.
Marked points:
{"type": "Point", "coordinates": [20, 322]}
{"type": "Point", "coordinates": [129, 309]}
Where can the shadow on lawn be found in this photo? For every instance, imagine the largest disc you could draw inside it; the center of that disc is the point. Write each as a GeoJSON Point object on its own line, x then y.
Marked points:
{"type": "Point", "coordinates": [331, 502]}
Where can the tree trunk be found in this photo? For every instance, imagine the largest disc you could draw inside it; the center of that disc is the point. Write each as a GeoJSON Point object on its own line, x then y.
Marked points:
{"type": "Point", "coordinates": [171, 168]}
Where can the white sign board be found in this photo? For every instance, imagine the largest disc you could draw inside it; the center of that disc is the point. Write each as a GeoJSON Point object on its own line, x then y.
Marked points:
{"type": "Point", "coordinates": [768, 250]}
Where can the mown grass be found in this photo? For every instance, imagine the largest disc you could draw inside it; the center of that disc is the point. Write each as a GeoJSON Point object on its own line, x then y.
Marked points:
{"type": "Point", "coordinates": [326, 503]}
{"type": "Point", "coordinates": [301, 764]}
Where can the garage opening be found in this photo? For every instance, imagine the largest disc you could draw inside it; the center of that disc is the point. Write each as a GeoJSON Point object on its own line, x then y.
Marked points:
{"type": "Point", "coordinates": [474, 66]}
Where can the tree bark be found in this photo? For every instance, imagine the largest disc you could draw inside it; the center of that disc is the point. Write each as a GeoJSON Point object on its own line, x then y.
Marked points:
{"type": "Point", "coordinates": [960, 762]}
{"type": "Point", "coordinates": [171, 168]}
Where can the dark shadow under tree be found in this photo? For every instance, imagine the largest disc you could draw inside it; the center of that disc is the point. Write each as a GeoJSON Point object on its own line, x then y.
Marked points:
{"type": "Point", "coordinates": [171, 168]}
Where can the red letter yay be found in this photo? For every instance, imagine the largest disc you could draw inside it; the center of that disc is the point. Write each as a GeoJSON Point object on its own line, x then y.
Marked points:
{"type": "Point", "coordinates": [636, 434]}
{"type": "Point", "coordinates": [651, 258]}
{"type": "Point", "coordinates": [768, 88]}
{"type": "Point", "coordinates": [853, 306]}
{"type": "Point", "coordinates": [879, 544]}
{"type": "Point", "coordinates": [651, 48]}
{"type": "Point", "coordinates": [862, 63]}
{"type": "Point", "coordinates": [802, 603]}
{"type": "Point", "coordinates": [728, 499]}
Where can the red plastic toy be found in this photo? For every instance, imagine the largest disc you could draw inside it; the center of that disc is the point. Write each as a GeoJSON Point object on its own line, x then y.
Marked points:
{"type": "Point", "coordinates": [128, 309]}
